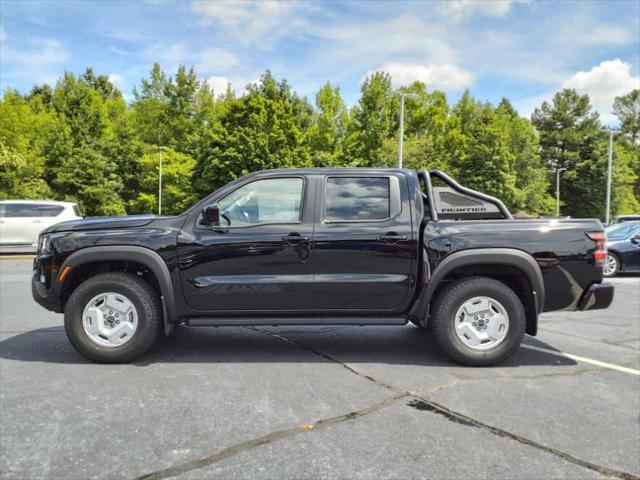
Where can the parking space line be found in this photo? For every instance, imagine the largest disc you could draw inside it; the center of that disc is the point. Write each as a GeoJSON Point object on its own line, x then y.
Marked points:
{"type": "Point", "coordinates": [578, 358]}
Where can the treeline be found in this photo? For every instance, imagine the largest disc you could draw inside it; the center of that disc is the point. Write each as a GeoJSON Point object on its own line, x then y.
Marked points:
{"type": "Point", "coordinates": [81, 141]}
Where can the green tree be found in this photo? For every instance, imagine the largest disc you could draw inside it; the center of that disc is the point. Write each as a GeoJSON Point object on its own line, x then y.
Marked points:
{"type": "Point", "coordinates": [627, 109]}
{"type": "Point", "coordinates": [374, 123]}
{"type": "Point", "coordinates": [327, 132]}
{"type": "Point", "coordinates": [487, 162]}
{"type": "Point", "coordinates": [569, 138]}
{"type": "Point", "coordinates": [177, 190]}
{"type": "Point", "coordinates": [259, 130]}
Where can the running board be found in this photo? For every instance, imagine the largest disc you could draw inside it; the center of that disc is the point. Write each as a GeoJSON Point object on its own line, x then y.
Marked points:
{"type": "Point", "coordinates": [277, 321]}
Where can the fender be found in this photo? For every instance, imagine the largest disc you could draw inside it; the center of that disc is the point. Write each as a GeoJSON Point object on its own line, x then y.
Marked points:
{"type": "Point", "coordinates": [485, 256]}
{"type": "Point", "coordinates": [141, 255]}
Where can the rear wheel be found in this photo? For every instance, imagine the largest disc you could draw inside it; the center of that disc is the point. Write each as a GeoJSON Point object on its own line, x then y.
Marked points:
{"type": "Point", "coordinates": [478, 321]}
{"type": "Point", "coordinates": [113, 317]}
{"type": "Point", "coordinates": [611, 265]}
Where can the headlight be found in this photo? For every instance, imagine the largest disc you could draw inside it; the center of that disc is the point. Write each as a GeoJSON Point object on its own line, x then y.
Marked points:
{"type": "Point", "coordinates": [44, 241]}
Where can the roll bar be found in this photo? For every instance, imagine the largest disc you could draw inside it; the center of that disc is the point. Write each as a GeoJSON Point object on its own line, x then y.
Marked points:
{"type": "Point", "coordinates": [425, 176]}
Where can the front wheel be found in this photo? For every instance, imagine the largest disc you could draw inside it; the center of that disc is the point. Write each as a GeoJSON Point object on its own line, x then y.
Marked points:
{"type": "Point", "coordinates": [478, 321]}
{"type": "Point", "coordinates": [113, 317]}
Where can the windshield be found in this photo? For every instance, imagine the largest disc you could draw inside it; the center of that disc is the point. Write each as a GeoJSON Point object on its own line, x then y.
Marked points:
{"type": "Point", "coordinates": [622, 230]}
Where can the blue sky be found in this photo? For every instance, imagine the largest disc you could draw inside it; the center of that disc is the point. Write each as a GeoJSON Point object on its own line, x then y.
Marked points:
{"type": "Point", "coordinates": [524, 50]}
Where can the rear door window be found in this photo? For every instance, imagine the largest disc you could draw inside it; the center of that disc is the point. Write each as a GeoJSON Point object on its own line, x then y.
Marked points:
{"type": "Point", "coordinates": [350, 199]}
{"type": "Point", "coordinates": [50, 210]}
{"type": "Point", "coordinates": [21, 210]}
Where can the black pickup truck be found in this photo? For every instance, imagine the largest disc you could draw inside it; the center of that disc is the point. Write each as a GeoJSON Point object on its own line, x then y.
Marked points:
{"type": "Point", "coordinates": [320, 247]}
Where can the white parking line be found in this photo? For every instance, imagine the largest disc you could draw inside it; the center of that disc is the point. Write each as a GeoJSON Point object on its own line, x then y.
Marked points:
{"type": "Point", "coordinates": [577, 358]}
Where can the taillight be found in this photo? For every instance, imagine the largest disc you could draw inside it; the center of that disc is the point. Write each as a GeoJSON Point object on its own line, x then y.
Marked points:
{"type": "Point", "coordinates": [600, 254]}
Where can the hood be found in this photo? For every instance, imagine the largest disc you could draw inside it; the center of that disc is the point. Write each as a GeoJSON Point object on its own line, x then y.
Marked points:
{"type": "Point", "coordinates": [98, 223]}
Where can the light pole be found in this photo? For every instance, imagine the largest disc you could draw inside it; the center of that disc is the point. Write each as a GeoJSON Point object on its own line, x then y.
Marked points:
{"type": "Point", "coordinates": [401, 130]}
{"type": "Point", "coordinates": [161, 149]}
{"type": "Point", "coordinates": [609, 162]}
{"type": "Point", "coordinates": [558, 170]}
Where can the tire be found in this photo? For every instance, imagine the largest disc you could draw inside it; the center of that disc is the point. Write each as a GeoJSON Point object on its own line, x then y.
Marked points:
{"type": "Point", "coordinates": [611, 265]}
{"type": "Point", "coordinates": [126, 288]}
{"type": "Point", "coordinates": [449, 330]}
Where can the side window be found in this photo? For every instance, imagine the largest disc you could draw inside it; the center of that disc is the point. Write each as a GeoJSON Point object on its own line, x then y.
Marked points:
{"type": "Point", "coordinates": [21, 210]}
{"type": "Point", "coordinates": [272, 200]}
{"type": "Point", "coordinates": [357, 198]}
{"type": "Point", "coordinates": [50, 210]}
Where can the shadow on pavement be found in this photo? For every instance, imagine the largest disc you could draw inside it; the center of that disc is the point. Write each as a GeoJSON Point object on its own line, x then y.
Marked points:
{"type": "Point", "coordinates": [391, 345]}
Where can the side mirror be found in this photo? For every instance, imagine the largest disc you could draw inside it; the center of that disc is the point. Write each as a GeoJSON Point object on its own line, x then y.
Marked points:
{"type": "Point", "coordinates": [636, 238]}
{"type": "Point", "coordinates": [211, 215]}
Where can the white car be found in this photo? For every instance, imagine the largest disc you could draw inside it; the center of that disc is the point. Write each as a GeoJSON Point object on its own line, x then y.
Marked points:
{"type": "Point", "coordinates": [21, 221]}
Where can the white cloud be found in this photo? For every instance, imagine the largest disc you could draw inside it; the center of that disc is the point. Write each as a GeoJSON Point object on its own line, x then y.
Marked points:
{"type": "Point", "coordinates": [116, 79]}
{"type": "Point", "coordinates": [259, 22]}
{"type": "Point", "coordinates": [442, 77]}
{"type": "Point", "coordinates": [471, 8]}
{"type": "Point", "coordinates": [216, 59]}
{"type": "Point", "coordinates": [603, 83]}
{"type": "Point", "coordinates": [3, 34]}
{"type": "Point", "coordinates": [353, 48]}
{"type": "Point", "coordinates": [219, 84]}
{"type": "Point", "coordinates": [207, 61]}
{"type": "Point", "coordinates": [38, 59]}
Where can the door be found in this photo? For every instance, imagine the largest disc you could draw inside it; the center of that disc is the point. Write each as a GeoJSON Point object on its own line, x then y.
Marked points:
{"type": "Point", "coordinates": [632, 255]}
{"type": "Point", "coordinates": [259, 259]}
{"type": "Point", "coordinates": [364, 246]}
{"type": "Point", "coordinates": [19, 223]}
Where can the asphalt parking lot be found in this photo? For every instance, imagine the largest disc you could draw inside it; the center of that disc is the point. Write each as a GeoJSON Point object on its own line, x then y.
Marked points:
{"type": "Point", "coordinates": [343, 402]}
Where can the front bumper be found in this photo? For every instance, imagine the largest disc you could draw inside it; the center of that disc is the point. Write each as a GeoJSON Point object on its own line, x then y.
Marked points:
{"type": "Point", "coordinates": [41, 292]}
{"type": "Point", "coordinates": [599, 295]}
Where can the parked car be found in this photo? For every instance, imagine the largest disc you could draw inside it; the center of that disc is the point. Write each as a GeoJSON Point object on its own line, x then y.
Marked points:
{"type": "Point", "coordinates": [623, 248]}
{"type": "Point", "coordinates": [21, 221]}
{"type": "Point", "coordinates": [626, 218]}
{"type": "Point", "coordinates": [322, 247]}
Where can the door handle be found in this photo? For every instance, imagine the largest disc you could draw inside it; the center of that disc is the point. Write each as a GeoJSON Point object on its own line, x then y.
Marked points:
{"type": "Point", "coordinates": [393, 237]}
{"type": "Point", "coordinates": [37, 221]}
{"type": "Point", "coordinates": [295, 238]}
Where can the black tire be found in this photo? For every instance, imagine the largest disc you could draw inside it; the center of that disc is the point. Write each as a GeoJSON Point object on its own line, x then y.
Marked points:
{"type": "Point", "coordinates": [616, 269]}
{"type": "Point", "coordinates": [451, 299]}
{"type": "Point", "coordinates": [139, 292]}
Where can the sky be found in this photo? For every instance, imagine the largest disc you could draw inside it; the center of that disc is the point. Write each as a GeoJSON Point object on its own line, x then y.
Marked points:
{"type": "Point", "coordinates": [524, 50]}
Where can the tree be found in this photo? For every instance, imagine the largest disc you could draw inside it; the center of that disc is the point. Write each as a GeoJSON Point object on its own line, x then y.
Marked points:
{"type": "Point", "coordinates": [373, 122]}
{"type": "Point", "coordinates": [89, 178]}
{"type": "Point", "coordinates": [569, 137]}
{"type": "Point", "coordinates": [487, 162]}
{"type": "Point", "coordinates": [257, 131]}
{"type": "Point", "coordinates": [177, 190]}
{"type": "Point", "coordinates": [327, 132]}
{"type": "Point", "coordinates": [627, 109]}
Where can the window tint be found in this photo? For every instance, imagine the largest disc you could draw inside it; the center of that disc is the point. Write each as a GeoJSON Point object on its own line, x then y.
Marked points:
{"type": "Point", "coordinates": [49, 210]}
{"type": "Point", "coordinates": [30, 210]}
{"type": "Point", "coordinates": [621, 231]}
{"type": "Point", "coordinates": [21, 210]}
{"type": "Point", "coordinates": [351, 198]}
{"type": "Point", "coordinates": [274, 200]}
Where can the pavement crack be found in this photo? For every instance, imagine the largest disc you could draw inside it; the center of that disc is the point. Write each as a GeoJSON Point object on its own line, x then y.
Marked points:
{"type": "Point", "coordinates": [369, 378]}
{"type": "Point", "coordinates": [241, 447]}
{"type": "Point", "coordinates": [421, 402]}
{"type": "Point", "coordinates": [425, 404]}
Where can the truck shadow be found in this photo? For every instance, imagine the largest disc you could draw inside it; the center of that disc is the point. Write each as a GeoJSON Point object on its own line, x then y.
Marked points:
{"type": "Point", "coordinates": [387, 345]}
